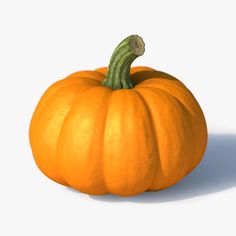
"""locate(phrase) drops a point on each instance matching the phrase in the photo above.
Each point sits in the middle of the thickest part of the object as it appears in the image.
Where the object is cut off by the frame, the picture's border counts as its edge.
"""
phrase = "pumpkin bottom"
(127, 193)
(97, 193)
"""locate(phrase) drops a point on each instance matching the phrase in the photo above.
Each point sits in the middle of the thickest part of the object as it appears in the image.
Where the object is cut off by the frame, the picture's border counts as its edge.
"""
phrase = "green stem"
(118, 74)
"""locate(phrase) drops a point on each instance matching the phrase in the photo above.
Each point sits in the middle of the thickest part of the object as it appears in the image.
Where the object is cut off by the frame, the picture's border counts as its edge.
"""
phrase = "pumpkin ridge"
(36, 116)
(59, 136)
(105, 106)
(61, 132)
(53, 94)
(196, 114)
(128, 158)
(172, 95)
(40, 106)
(188, 113)
(154, 133)
(189, 118)
(167, 167)
(40, 118)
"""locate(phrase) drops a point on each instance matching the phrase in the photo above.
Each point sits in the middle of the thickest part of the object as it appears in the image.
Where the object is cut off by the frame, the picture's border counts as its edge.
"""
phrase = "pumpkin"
(119, 129)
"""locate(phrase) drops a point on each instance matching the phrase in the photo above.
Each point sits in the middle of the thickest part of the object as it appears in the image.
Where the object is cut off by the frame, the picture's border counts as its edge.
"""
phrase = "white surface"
(43, 41)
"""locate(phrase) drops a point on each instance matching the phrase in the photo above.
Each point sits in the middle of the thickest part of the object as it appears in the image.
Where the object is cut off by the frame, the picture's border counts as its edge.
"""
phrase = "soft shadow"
(215, 173)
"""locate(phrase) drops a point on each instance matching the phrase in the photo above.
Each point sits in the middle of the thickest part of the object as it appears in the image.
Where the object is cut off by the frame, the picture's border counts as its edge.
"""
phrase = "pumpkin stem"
(118, 74)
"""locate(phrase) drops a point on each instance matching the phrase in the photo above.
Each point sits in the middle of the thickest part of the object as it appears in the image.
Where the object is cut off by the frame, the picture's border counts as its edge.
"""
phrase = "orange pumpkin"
(121, 131)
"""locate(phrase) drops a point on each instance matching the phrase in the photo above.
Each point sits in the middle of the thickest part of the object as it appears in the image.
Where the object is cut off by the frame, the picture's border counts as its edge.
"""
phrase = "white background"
(43, 41)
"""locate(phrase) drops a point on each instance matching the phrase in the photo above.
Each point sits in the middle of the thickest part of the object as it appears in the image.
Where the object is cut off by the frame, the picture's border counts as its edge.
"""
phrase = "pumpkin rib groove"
(154, 133)
(73, 103)
(102, 136)
(42, 103)
(40, 117)
(36, 117)
(142, 77)
(189, 119)
(129, 165)
(56, 86)
(105, 107)
(188, 114)
(169, 179)
(41, 106)
(169, 94)
(60, 134)
(180, 87)
(106, 128)
(194, 117)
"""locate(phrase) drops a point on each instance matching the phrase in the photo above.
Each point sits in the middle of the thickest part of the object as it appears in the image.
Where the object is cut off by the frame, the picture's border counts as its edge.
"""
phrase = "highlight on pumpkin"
(118, 129)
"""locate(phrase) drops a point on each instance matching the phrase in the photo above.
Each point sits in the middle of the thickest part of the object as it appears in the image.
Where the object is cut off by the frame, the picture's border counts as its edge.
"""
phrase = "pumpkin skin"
(126, 141)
